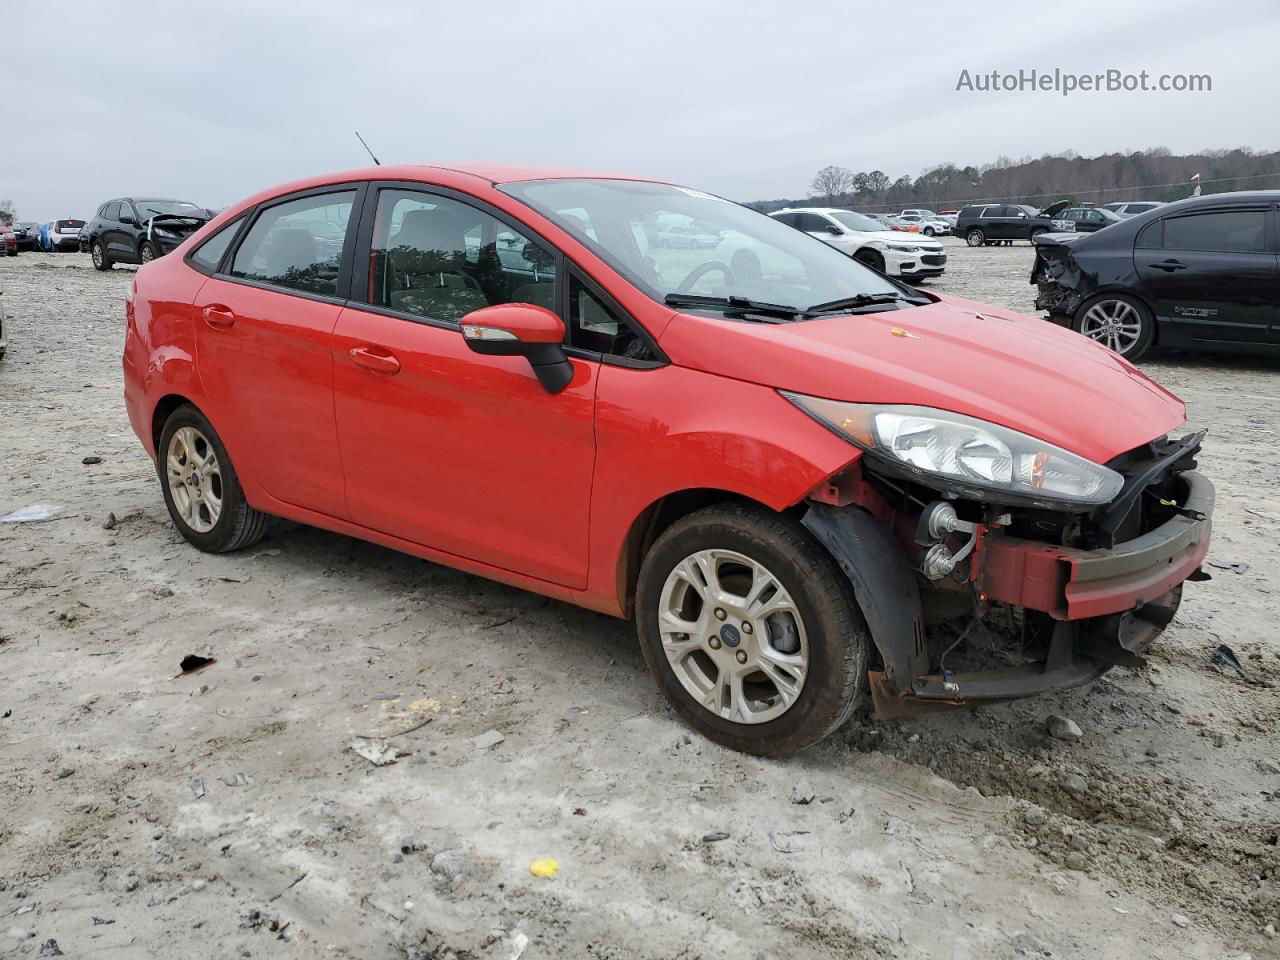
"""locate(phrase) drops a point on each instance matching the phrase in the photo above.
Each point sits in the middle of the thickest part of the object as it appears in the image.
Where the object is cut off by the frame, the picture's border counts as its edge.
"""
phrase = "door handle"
(372, 358)
(1168, 266)
(216, 315)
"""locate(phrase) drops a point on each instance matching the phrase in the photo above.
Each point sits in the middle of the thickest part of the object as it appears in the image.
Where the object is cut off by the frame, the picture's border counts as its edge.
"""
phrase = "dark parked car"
(1197, 273)
(1090, 219)
(138, 229)
(28, 235)
(992, 223)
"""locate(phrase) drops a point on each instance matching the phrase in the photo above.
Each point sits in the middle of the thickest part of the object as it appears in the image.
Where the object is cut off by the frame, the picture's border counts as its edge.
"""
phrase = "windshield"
(157, 208)
(856, 221)
(747, 256)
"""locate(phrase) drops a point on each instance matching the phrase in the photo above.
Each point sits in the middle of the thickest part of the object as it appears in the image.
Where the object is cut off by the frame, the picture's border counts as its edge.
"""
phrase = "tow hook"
(938, 520)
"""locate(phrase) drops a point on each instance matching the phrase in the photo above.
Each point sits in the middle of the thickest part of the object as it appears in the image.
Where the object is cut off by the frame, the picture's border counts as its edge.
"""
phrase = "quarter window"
(437, 258)
(297, 244)
(111, 211)
(596, 327)
(1230, 231)
(209, 254)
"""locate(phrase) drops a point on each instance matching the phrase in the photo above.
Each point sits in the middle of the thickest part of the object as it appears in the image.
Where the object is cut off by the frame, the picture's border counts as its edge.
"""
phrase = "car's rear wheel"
(147, 252)
(100, 259)
(1118, 322)
(201, 488)
(975, 237)
(750, 630)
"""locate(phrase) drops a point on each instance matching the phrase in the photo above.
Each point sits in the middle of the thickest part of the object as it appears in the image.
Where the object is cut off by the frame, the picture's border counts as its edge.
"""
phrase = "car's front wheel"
(975, 237)
(750, 629)
(201, 488)
(100, 259)
(928, 231)
(147, 252)
(1118, 322)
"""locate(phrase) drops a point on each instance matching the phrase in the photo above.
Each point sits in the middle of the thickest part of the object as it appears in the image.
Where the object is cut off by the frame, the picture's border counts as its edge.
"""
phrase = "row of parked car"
(54, 236)
(123, 230)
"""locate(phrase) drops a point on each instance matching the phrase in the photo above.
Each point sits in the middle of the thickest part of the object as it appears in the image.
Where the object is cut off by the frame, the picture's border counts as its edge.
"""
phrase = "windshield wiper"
(732, 303)
(860, 300)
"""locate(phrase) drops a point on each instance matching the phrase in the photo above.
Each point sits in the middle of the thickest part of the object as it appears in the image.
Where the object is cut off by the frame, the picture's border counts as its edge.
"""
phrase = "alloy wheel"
(1113, 323)
(147, 253)
(96, 251)
(733, 636)
(195, 479)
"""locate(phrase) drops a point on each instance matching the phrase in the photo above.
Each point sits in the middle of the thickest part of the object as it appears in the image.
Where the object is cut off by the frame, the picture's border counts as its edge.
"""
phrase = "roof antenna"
(376, 161)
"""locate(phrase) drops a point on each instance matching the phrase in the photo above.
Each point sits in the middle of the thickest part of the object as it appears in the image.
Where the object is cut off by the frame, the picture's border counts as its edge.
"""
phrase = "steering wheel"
(702, 269)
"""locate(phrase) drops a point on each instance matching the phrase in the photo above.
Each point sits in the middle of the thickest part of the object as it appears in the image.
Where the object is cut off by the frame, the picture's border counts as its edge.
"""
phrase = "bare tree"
(832, 183)
(7, 212)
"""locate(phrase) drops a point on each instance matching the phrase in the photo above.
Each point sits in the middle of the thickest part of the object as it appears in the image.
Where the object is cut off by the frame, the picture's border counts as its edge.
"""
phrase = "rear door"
(264, 331)
(444, 447)
(1211, 275)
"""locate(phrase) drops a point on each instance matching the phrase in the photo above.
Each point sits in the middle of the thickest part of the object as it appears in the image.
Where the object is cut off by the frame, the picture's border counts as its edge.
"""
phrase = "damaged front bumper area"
(1082, 609)
(1061, 287)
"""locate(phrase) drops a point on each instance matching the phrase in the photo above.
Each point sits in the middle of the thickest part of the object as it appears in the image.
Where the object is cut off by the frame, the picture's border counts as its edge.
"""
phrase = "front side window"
(209, 254)
(297, 244)
(1228, 231)
(438, 258)
(746, 255)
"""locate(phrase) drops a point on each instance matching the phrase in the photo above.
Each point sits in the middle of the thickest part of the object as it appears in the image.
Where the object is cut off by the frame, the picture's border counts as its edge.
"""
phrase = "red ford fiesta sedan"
(798, 476)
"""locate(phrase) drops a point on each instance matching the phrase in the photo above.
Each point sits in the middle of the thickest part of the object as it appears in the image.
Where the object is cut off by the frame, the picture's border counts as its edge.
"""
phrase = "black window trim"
(364, 242)
(342, 295)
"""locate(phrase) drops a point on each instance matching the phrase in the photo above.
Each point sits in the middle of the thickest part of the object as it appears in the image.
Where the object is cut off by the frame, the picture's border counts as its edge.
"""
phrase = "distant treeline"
(1154, 174)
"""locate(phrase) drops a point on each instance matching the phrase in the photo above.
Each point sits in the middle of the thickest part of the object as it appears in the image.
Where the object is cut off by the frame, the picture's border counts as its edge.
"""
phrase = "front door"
(263, 334)
(1210, 275)
(444, 447)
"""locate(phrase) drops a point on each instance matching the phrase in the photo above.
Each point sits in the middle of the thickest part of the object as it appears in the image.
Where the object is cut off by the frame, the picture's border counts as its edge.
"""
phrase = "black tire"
(238, 525)
(147, 252)
(1037, 232)
(870, 258)
(928, 231)
(836, 633)
(975, 237)
(100, 259)
(1146, 321)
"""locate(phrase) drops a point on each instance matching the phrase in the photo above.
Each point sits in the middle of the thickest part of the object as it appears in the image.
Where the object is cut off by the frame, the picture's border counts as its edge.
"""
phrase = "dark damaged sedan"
(139, 230)
(1201, 273)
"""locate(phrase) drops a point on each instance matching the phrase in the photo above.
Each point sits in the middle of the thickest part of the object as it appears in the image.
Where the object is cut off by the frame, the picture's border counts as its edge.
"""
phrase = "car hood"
(993, 364)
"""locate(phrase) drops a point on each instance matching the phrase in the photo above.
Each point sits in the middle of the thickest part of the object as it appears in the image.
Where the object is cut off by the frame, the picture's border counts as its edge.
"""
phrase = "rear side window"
(438, 258)
(209, 254)
(297, 244)
(1228, 231)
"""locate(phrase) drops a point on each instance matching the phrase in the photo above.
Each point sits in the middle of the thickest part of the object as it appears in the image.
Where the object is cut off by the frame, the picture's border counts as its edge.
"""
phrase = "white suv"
(908, 256)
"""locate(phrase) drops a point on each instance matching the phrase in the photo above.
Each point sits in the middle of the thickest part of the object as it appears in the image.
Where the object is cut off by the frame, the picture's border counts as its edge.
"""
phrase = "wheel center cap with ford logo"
(729, 634)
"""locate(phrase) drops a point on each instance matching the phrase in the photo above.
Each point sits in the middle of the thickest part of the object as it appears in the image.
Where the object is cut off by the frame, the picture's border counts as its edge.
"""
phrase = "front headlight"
(903, 248)
(977, 458)
(165, 232)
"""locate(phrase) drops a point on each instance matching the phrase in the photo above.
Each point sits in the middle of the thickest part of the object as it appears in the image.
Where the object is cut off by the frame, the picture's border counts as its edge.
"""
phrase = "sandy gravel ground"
(965, 836)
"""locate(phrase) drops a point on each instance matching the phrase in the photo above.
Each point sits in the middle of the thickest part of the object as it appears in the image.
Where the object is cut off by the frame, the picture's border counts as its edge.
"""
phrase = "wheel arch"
(163, 410)
(655, 519)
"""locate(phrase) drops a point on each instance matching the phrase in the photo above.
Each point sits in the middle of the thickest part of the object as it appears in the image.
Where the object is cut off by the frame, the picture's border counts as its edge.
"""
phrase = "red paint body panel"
(988, 363)
(268, 380)
(464, 452)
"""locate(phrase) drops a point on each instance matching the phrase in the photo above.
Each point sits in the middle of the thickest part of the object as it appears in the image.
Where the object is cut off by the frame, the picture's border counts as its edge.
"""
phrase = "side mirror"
(833, 229)
(522, 330)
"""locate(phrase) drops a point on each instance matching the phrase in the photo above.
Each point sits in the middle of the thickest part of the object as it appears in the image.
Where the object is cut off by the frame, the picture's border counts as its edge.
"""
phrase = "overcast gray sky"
(210, 101)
